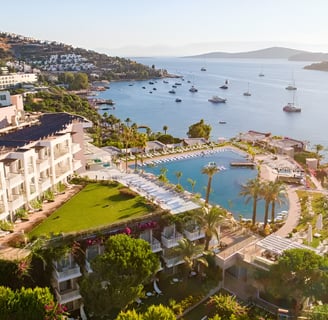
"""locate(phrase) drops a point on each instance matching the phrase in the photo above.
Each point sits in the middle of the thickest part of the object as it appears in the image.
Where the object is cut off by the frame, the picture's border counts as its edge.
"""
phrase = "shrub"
(127, 192)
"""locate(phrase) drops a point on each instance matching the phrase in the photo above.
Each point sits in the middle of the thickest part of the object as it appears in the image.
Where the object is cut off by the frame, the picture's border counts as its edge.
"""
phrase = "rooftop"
(50, 124)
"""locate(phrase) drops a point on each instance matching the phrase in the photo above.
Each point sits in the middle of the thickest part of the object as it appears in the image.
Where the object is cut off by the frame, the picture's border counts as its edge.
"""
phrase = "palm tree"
(127, 121)
(210, 170)
(266, 194)
(141, 144)
(210, 220)
(318, 148)
(165, 128)
(278, 195)
(178, 174)
(162, 177)
(251, 191)
(127, 137)
(192, 184)
(190, 253)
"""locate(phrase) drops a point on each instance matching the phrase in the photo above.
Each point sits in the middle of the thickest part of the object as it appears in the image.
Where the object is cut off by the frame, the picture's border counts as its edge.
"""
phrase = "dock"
(242, 164)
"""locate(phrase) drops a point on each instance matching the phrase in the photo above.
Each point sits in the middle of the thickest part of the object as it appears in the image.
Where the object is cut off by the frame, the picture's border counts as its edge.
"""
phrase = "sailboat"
(291, 107)
(261, 74)
(247, 93)
(291, 86)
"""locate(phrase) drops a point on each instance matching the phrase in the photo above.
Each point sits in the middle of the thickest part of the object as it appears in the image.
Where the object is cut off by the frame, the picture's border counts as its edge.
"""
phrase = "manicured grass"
(95, 206)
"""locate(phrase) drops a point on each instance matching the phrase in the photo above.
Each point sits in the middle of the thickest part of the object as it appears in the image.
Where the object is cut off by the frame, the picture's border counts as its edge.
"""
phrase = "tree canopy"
(199, 130)
(118, 275)
(303, 273)
(29, 304)
(153, 312)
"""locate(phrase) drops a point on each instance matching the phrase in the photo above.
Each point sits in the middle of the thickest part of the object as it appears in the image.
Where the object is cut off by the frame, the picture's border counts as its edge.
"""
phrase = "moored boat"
(290, 107)
(216, 99)
(193, 89)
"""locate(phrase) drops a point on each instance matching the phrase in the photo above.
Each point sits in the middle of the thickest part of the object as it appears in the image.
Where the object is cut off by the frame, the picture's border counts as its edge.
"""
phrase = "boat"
(164, 81)
(178, 84)
(247, 93)
(174, 86)
(178, 100)
(222, 122)
(224, 86)
(150, 82)
(261, 74)
(203, 69)
(172, 91)
(290, 107)
(193, 89)
(291, 87)
(216, 99)
(143, 87)
(154, 89)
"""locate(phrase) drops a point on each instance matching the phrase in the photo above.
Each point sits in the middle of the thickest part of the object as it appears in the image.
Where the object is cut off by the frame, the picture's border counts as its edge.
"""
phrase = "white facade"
(13, 79)
(25, 174)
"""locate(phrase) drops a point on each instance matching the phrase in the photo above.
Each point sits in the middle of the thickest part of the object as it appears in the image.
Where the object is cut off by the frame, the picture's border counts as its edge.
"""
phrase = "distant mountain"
(321, 66)
(268, 53)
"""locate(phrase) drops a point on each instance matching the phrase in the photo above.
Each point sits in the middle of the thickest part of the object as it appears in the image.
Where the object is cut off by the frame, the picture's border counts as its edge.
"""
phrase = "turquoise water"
(225, 185)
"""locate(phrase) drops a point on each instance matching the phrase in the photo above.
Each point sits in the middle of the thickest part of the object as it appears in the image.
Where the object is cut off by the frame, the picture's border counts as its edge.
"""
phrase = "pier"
(242, 164)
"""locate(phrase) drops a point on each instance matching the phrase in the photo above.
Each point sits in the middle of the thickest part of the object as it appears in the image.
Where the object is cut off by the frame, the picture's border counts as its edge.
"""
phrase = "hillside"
(63, 57)
(268, 53)
(320, 66)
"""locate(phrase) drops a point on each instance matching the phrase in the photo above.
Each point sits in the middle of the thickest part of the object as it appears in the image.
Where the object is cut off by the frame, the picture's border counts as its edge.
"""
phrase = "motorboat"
(174, 86)
(222, 122)
(203, 69)
(178, 100)
(216, 99)
(164, 81)
(172, 91)
(224, 86)
(193, 89)
(178, 84)
(290, 107)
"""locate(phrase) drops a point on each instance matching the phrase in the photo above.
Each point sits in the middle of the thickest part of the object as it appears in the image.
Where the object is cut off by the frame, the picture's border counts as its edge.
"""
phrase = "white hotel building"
(13, 79)
(36, 153)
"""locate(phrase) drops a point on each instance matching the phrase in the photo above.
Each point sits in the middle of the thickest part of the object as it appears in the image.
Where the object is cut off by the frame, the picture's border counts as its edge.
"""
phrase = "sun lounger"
(156, 288)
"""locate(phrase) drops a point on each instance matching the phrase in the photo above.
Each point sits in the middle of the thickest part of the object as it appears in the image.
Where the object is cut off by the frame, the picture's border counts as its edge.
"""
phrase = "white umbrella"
(309, 234)
(319, 222)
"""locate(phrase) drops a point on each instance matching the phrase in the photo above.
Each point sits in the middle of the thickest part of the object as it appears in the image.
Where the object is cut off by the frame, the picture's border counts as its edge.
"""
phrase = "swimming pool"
(226, 184)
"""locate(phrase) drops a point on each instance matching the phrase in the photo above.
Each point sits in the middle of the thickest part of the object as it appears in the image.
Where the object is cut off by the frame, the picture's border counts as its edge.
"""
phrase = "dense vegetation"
(59, 100)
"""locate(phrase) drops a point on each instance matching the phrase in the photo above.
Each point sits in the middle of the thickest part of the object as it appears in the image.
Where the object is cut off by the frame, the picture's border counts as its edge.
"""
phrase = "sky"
(171, 27)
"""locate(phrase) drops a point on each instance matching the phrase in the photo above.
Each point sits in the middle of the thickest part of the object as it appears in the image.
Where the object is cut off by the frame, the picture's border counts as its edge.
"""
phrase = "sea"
(262, 111)
(151, 104)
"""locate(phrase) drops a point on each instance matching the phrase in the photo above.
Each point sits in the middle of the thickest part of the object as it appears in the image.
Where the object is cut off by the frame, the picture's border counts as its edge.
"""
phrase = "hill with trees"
(52, 56)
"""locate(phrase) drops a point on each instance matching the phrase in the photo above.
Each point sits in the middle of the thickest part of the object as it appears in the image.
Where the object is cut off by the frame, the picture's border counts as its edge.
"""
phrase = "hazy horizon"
(171, 28)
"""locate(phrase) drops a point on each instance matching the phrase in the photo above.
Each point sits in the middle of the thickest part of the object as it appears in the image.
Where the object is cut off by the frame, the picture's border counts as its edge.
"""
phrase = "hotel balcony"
(67, 295)
(194, 234)
(43, 164)
(16, 201)
(77, 164)
(44, 184)
(259, 261)
(61, 152)
(14, 179)
(172, 261)
(172, 240)
(75, 148)
(67, 273)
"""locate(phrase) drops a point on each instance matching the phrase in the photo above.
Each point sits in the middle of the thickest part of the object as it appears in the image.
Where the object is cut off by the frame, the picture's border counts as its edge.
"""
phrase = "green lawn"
(95, 206)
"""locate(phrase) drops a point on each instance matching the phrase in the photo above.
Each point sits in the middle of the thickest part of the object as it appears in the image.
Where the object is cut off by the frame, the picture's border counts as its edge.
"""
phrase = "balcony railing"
(67, 273)
(43, 164)
(171, 241)
(194, 235)
(77, 164)
(68, 295)
(173, 261)
(75, 148)
(14, 178)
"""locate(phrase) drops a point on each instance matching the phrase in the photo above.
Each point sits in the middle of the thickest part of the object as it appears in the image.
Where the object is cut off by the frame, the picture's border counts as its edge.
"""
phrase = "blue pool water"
(226, 184)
